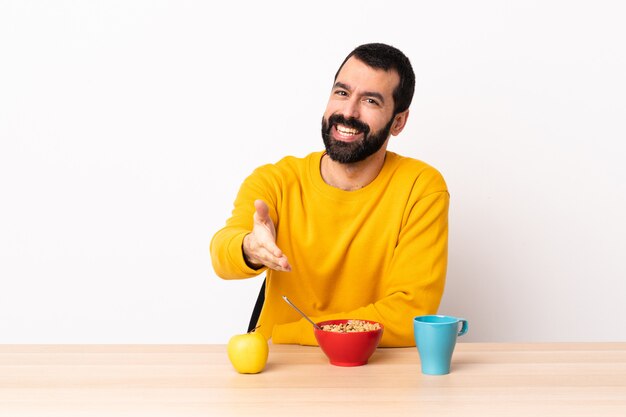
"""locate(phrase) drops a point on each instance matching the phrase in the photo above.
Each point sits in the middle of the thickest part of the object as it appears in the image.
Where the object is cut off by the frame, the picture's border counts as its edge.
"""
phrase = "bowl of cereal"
(348, 342)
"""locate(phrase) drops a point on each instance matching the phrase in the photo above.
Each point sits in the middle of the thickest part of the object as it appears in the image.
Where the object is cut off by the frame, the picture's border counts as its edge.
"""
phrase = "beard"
(351, 152)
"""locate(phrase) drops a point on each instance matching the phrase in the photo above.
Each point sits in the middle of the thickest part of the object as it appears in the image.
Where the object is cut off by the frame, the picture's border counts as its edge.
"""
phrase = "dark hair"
(386, 57)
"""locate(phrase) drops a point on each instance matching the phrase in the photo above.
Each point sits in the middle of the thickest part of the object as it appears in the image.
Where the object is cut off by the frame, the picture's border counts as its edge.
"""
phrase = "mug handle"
(464, 327)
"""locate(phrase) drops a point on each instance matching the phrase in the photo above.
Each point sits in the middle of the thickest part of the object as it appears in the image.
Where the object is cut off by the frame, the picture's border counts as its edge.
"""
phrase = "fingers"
(260, 250)
(260, 245)
(284, 264)
(262, 256)
(272, 262)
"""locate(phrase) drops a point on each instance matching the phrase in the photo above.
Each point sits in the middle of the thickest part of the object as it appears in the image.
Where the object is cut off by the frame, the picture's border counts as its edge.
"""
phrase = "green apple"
(248, 352)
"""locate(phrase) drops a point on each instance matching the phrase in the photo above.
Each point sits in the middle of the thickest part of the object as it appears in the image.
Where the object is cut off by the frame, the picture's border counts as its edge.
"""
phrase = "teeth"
(347, 130)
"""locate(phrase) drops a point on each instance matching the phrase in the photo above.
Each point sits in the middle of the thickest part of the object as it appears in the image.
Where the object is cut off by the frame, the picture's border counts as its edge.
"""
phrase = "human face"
(359, 116)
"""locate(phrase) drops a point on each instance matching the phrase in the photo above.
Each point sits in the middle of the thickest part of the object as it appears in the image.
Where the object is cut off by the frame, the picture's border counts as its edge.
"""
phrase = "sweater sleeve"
(413, 285)
(226, 245)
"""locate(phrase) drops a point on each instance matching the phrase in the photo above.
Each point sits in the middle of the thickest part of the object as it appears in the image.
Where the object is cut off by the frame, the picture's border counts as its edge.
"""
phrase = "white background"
(126, 128)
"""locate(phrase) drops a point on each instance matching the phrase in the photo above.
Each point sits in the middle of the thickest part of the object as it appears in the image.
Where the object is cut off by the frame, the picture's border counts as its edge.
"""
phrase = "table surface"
(561, 379)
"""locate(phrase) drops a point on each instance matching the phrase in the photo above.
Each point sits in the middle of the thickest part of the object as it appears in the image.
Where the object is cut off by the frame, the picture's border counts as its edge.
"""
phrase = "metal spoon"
(300, 311)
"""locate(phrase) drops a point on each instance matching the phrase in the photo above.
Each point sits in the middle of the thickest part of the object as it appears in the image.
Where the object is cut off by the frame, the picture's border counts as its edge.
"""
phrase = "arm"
(414, 283)
(246, 245)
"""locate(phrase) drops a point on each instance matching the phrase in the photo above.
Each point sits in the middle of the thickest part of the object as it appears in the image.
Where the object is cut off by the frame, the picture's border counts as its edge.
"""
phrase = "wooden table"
(586, 379)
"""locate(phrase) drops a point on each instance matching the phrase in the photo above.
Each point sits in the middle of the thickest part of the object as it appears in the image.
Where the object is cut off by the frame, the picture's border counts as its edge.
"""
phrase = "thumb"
(262, 211)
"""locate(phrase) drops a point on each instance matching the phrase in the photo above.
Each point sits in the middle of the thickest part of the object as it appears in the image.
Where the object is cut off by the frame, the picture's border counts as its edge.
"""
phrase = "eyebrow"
(365, 93)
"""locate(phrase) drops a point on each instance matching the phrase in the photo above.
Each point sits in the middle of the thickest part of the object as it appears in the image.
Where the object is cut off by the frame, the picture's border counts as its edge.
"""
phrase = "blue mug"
(435, 338)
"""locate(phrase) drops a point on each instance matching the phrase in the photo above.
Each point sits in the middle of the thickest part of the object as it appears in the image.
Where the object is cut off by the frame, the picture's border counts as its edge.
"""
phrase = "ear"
(399, 121)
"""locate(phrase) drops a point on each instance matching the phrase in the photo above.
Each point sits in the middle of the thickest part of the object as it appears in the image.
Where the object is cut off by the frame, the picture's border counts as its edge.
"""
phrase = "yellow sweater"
(378, 253)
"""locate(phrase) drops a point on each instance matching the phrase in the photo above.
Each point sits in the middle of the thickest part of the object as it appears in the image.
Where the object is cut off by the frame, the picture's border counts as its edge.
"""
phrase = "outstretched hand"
(259, 246)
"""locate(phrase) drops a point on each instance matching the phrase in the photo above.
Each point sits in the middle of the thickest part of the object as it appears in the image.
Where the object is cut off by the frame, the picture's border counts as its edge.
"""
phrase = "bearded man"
(354, 231)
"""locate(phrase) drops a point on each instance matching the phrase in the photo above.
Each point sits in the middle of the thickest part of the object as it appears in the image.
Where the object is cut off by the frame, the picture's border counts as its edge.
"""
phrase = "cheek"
(334, 106)
(372, 120)
(380, 121)
(330, 110)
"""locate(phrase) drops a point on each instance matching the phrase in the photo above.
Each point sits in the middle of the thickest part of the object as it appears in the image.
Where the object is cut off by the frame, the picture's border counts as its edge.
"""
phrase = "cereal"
(351, 326)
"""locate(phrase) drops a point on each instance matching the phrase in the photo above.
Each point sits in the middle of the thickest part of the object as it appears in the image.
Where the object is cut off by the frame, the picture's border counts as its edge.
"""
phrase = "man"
(353, 232)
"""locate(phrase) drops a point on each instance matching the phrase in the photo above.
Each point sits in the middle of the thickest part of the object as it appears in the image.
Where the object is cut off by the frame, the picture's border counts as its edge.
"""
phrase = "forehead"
(360, 76)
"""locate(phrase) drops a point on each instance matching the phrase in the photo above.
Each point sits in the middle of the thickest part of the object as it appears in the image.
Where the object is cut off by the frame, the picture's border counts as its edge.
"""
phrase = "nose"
(351, 108)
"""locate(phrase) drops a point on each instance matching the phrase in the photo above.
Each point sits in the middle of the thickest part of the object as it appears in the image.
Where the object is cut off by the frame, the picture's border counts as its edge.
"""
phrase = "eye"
(341, 93)
(372, 101)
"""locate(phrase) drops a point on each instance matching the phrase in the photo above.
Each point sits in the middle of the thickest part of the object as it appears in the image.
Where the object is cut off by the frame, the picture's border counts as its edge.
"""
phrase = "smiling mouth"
(347, 131)
(347, 134)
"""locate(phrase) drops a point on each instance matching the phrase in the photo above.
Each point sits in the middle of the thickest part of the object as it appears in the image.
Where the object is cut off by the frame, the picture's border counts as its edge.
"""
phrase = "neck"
(354, 176)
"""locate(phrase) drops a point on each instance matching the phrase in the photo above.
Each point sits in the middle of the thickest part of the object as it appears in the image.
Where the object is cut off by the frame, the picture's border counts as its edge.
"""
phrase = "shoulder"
(285, 169)
(289, 163)
(297, 163)
(423, 177)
